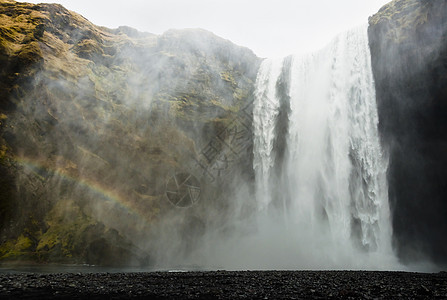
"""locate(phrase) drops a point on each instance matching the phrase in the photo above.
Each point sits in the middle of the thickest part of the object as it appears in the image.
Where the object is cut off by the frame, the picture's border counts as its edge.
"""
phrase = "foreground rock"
(226, 285)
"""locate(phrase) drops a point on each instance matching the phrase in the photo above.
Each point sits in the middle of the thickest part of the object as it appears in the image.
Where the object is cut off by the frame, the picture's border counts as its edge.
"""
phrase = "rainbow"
(92, 186)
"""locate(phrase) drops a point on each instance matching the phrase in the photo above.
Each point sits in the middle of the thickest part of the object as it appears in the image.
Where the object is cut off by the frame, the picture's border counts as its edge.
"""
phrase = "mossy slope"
(94, 121)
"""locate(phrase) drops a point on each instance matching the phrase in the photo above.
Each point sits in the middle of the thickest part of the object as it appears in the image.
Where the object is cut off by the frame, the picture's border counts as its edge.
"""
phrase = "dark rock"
(220, 285)
(39, 31)
(409, 54)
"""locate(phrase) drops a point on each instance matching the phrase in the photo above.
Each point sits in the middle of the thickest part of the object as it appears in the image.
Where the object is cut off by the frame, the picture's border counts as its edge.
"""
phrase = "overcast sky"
(271, 28)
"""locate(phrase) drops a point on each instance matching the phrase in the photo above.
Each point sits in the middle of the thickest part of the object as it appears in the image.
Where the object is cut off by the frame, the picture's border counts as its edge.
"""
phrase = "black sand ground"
(225, 285)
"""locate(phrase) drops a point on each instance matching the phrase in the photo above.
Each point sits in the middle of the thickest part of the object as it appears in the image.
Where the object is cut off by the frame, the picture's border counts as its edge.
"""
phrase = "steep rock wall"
(93, 124)
(408, 41)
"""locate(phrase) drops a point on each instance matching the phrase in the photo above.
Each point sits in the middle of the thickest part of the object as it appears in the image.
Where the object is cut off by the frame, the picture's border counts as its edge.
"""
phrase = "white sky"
(271, 28)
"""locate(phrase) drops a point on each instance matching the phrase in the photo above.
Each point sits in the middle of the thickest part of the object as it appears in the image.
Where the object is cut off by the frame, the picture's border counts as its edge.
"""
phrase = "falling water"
(265, 112)
(333, 180)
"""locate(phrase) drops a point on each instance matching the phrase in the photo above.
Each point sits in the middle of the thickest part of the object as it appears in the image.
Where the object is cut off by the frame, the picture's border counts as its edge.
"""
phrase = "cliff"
(113, 140)
(96, 124)
(408, 41)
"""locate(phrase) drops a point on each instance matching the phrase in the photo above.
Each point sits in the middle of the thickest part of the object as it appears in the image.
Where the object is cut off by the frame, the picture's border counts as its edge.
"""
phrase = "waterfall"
(265, 112)
(334, 170)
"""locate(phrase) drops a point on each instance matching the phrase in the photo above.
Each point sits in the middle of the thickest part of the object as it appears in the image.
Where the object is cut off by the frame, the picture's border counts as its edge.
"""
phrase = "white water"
(337, 215)
(265, 111)
(325, 206)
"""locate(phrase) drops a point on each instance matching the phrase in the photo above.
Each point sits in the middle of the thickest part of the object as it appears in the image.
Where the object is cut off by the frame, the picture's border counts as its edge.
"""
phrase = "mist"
(179, 150)
(319, 199)
(407, 75)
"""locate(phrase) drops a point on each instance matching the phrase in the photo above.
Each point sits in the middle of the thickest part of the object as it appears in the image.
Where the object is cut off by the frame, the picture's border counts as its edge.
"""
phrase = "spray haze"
(324, 204)
(181, 150)
(101, 123)
(409, 80)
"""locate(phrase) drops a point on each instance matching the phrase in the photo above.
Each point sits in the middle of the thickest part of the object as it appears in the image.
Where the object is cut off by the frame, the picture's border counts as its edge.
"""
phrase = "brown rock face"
(93, 124)
(408, 41)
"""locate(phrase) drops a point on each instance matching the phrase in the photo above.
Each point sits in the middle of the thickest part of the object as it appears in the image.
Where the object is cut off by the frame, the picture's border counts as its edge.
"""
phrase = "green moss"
(23, 243)
(240, 94)
(402, 18)
(228, 77)
(6, 35)
(6, 247)
(15, 248)
(66, 224)
(30, 53)
(2, 152)
(88, 49)
(89, 119)
(226, 108)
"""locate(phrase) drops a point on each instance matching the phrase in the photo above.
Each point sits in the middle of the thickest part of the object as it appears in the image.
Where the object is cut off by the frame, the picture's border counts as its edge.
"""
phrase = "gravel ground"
(225, 285)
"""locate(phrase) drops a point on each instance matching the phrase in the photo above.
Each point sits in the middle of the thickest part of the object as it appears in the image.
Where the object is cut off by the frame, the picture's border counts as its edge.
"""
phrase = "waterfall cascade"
(265, 113)
(321, 197)
(331, 185)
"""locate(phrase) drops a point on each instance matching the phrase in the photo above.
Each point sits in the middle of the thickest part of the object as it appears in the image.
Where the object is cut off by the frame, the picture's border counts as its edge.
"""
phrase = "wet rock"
(409, 54)
(224, 285)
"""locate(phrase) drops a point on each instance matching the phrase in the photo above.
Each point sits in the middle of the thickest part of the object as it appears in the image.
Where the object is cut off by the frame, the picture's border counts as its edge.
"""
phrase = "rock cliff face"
(408, 41)
(95, 124)
(113, 140)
